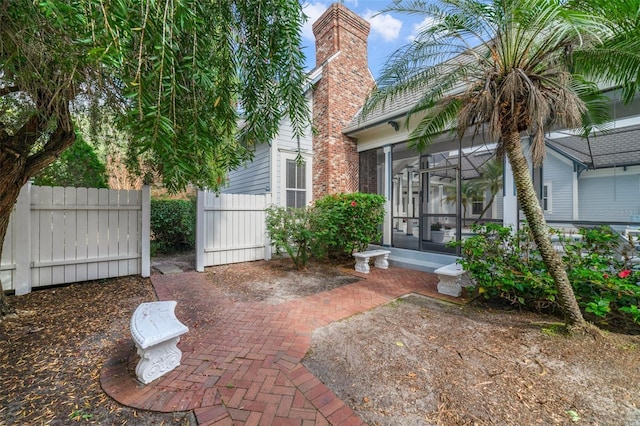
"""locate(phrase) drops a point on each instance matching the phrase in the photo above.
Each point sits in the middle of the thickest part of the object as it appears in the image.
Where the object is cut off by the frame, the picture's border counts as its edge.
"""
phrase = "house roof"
(615, 147)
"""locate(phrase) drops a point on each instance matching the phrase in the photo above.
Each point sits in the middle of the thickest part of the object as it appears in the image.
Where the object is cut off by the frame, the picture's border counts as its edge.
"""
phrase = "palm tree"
(490, 180)
(506, 68)
(469, 191)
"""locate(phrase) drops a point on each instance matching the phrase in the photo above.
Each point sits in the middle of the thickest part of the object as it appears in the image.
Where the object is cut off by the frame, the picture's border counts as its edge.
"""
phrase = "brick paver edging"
(241, 362)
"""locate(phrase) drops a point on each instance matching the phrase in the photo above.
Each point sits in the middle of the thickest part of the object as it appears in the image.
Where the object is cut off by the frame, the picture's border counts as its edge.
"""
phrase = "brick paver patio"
(241, 362)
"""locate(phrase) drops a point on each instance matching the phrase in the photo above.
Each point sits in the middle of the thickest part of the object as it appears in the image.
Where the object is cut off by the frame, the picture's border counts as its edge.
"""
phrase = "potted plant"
(440, 232)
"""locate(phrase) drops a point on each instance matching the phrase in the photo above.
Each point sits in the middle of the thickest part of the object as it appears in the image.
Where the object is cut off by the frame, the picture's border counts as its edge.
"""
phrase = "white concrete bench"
(156, 332)
(380, 260)
(449, 279)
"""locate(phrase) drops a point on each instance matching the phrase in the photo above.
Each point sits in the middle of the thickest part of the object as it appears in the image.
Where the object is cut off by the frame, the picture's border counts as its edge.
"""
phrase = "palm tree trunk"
(531, 207)
(493, 196)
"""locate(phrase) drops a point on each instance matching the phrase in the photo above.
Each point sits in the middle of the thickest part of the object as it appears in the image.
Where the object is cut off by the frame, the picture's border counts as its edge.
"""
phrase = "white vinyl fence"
(63, 235)
(231, 228)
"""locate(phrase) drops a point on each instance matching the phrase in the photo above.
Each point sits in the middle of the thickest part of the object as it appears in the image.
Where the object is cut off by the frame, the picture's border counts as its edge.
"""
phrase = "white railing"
(230, 228)
(63, 235)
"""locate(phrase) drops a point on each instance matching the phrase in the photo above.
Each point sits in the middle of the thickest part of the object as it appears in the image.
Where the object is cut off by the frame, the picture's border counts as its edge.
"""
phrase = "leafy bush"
(77, 166)
(344, 223)
(603, 277)
(290, 229)
(173, 225)
(506, 265)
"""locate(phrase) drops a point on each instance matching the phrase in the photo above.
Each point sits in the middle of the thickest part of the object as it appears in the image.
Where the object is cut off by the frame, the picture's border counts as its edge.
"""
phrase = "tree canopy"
(177, 76)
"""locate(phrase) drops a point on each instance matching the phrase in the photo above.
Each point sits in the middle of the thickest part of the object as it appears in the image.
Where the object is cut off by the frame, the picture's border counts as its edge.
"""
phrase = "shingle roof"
(616, 147)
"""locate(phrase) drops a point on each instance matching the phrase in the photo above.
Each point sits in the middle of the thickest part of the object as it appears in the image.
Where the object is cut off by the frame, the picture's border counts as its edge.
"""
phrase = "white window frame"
(479, 201)
(292, 155)
(549, 197)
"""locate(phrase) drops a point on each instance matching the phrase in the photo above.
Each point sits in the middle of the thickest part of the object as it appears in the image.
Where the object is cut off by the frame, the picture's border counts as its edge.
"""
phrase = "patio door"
(439, 201)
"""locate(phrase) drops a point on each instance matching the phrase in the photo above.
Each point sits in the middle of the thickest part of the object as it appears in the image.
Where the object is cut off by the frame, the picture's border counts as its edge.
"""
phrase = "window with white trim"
(477, 205)
(296, 183)
(545, 200)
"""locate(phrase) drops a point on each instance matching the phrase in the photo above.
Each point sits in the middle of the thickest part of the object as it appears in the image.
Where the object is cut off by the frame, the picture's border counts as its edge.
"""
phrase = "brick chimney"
(340, 93)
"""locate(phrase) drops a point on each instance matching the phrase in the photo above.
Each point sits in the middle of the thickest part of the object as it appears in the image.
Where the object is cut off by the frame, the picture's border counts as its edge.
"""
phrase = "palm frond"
(439, 119)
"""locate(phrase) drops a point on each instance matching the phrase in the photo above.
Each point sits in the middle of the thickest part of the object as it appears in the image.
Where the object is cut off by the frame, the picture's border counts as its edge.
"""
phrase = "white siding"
(560, 173)
(613, 198)
(254, 177)
(258, 177)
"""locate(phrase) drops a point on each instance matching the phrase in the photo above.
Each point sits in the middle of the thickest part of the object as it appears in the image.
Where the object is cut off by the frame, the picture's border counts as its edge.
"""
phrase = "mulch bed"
(52, 350)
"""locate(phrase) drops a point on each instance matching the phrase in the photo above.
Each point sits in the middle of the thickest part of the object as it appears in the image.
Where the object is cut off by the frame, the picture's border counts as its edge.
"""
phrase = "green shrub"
(606, 284)
(506, 265)
(173, 224)
(344, 223)
(77, 166)
(290, 229)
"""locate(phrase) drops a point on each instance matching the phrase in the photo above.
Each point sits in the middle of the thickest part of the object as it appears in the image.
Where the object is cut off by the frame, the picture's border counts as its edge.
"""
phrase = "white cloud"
(385, 25)
(313, 11)
(426, 23)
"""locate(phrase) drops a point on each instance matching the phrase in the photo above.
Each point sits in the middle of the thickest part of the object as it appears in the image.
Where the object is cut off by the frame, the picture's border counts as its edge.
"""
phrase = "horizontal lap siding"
(252, 178)
(609, 199)
(561, 176)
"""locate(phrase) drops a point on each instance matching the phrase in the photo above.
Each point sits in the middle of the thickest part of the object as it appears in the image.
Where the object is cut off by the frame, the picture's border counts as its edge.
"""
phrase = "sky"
(388, 32)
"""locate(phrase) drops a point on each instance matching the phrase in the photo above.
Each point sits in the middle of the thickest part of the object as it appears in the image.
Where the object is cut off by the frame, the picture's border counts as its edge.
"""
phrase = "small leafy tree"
(345, 223)
(79, 166)
(290, 229)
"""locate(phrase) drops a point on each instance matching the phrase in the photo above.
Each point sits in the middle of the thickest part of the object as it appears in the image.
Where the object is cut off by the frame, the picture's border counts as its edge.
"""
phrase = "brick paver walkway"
(241, 362)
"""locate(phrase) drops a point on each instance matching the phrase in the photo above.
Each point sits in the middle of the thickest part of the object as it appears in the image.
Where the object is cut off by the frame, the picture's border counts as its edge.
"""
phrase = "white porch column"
(387, 182)
(510, 204)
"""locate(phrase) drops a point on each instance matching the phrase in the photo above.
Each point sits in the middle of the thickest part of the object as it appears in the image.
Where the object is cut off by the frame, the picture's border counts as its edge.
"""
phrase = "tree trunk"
(5, 214)
(531, 207)
(18, 164)
(493, 196)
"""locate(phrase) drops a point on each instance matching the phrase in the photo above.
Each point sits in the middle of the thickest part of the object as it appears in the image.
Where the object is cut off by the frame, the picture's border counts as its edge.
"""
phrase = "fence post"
(145, 235)
(22, 253)
(267, 240)
(200, 231)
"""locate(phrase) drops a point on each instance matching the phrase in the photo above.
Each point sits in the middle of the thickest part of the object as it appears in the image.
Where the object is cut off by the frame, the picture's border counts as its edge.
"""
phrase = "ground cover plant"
(507, 266)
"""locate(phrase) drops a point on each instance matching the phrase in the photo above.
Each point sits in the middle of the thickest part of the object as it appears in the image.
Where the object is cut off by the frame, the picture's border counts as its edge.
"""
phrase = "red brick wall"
(345, 83)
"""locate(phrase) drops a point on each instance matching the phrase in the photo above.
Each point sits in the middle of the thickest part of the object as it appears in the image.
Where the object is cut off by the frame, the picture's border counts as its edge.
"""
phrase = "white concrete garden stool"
(450, 279)
(156, 332)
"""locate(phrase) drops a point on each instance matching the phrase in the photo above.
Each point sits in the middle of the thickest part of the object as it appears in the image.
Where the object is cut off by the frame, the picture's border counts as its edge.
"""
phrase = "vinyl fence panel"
(63, 235)
(231, 228)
